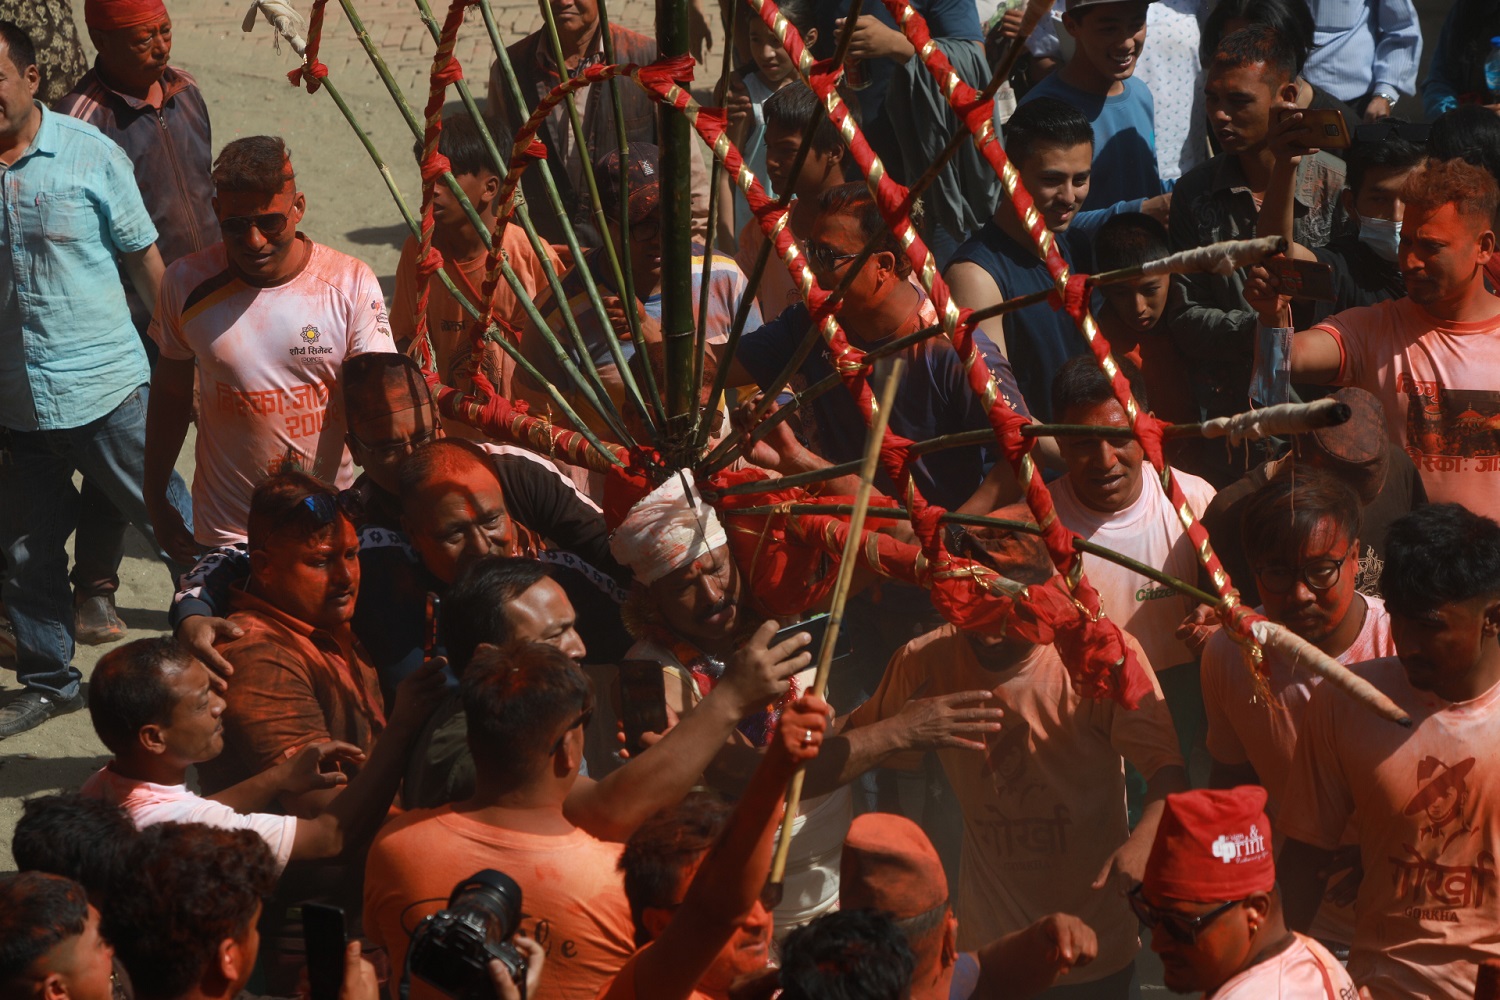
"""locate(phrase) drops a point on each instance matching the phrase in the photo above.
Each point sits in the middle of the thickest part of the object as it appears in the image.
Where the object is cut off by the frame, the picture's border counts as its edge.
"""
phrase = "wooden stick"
(840, 596)
(1300, 651)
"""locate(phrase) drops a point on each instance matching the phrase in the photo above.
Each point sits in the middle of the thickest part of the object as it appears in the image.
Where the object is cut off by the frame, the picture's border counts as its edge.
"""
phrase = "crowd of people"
(526, 732)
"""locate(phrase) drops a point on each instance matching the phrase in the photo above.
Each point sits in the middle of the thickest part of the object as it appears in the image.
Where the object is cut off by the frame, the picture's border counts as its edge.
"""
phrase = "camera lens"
(494, 895)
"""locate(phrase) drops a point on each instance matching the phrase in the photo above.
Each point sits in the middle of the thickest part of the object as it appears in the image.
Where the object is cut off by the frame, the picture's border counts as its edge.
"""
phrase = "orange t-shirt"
(448, 322)
(1425, 803)
(1439, 383)
(1044, 808)
(572, 895)
(623, 986)
(1304, 971)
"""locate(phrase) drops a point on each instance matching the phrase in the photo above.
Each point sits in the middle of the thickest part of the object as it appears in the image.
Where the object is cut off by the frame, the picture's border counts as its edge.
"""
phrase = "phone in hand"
(643, 701)
(1302, 279)
(324, 938)
(1327, 125)
(817, 627)
(434, 608)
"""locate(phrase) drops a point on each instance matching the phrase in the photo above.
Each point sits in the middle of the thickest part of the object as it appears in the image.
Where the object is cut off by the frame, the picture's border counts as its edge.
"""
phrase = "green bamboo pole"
(604, 408)
(554, 201)
(523, 217)
(416, 229)
(622, 282)
(742, 314)
(677, 327)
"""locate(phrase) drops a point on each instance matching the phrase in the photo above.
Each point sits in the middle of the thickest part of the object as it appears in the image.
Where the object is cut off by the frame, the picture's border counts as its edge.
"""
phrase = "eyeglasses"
(1319, 575)
(1413, 132)
(824, 257)
(270, 224)
(393, 450)
(1182, 929)
(582, 720)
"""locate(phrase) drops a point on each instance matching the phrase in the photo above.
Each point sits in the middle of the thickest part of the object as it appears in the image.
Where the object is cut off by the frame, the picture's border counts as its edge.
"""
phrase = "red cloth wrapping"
(1213, 845)
(112, 15)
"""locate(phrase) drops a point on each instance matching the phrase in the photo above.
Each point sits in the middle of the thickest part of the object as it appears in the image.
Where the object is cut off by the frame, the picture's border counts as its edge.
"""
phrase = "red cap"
(889, 864)
(110, 15)
(1212, 845)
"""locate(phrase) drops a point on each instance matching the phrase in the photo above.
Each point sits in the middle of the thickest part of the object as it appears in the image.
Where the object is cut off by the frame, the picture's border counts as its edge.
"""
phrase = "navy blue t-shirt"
(1038, 339)
(934, 399)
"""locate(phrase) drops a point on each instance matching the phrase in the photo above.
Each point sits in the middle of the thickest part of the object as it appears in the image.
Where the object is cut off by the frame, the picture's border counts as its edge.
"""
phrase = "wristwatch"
(1391, 97)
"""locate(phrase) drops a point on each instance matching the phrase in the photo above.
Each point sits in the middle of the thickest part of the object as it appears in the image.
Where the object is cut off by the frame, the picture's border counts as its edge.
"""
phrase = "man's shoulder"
(336, 268)
(87, 100)
(633, 41)
(1200, 179)
(190, 271)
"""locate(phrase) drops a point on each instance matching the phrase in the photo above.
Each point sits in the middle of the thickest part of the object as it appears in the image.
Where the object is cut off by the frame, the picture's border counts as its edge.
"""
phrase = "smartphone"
(1302, 279)
(434, 608)
(643, 701)
(1327, 124)
(817, 627)
(324, 938)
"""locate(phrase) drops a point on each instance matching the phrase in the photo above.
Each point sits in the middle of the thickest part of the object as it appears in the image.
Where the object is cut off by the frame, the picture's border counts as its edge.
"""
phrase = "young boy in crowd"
(1130, 312)
(788, 113)
(1099, 81)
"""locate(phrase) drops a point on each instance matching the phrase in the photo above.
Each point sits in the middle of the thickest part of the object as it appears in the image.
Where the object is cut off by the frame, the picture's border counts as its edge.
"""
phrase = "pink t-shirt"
(1304, 971)
(1149, 531)
(1044, 807)
(1425, 803)
(268, 364)
(149, 804)
(1440, 385)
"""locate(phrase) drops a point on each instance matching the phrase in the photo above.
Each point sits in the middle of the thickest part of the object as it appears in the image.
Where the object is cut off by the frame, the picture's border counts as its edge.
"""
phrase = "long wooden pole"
(677, 327)
(840, 595)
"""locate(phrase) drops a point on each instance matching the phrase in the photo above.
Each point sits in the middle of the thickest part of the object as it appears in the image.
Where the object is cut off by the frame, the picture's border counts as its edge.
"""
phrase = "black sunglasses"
(270, 224)
(325, 507)
(1182, 929)
(824, 257)
(1413, 132)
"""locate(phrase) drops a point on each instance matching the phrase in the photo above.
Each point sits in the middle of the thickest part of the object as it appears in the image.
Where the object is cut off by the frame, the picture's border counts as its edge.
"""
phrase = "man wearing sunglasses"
(264, 319)
(1210, 898)
(1302, 533)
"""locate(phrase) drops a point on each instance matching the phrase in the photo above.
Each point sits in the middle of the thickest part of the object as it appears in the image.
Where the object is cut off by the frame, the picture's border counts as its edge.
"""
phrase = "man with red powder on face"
(1432, 358)
(1209, 896)
(265, 319)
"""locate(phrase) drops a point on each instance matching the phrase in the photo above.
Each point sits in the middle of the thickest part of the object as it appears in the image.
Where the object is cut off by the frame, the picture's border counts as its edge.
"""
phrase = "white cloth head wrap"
(667, 530)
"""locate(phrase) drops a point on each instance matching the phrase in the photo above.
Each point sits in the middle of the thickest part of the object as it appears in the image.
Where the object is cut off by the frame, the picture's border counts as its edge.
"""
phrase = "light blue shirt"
(68, 350)
(1364, 45)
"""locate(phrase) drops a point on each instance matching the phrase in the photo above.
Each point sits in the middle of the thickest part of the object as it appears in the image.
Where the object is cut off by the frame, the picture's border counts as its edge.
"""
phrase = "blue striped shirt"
(1364, 45)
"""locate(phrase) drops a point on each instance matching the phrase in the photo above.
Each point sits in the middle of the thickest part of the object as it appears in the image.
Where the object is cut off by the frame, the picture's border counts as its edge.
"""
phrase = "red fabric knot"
(1009, 431)
(536, 149)
(1075, 299)
(434, 166)
(431, 263)
(1149, 431)
(311, 73)
(677, 69)
(450, 72)
(824, 76)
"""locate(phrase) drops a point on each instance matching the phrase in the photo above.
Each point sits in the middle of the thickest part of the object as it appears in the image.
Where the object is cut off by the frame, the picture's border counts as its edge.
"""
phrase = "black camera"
(452, 949)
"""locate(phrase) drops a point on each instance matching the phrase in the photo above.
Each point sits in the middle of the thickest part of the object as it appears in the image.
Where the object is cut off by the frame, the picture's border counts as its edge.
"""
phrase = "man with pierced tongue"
(1210, 898)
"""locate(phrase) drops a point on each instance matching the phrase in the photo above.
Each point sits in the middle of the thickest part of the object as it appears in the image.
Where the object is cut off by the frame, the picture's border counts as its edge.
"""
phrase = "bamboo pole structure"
(869, 465)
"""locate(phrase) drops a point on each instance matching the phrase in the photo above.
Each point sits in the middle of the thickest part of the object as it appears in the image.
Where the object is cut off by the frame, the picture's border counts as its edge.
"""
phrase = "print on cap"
(1240, 848)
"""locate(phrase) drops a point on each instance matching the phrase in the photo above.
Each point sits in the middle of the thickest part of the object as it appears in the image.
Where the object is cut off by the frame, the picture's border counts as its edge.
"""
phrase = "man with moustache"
(1430, 358)
(1420, 800)
(1302, 532)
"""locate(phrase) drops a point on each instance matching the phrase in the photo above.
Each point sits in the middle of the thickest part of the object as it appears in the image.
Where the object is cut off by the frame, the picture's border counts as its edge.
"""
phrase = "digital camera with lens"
(451, 949)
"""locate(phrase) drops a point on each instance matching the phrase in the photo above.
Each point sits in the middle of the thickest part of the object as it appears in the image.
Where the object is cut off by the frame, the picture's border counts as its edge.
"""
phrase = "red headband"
(111, 15)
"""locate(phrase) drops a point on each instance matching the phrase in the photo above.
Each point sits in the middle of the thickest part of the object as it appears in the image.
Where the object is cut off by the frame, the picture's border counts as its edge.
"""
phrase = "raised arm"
(729, 881)
(1290, 140)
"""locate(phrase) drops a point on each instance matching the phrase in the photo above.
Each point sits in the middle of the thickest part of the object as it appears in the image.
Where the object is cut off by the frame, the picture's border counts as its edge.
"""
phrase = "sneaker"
(32, 708)
(95, 621)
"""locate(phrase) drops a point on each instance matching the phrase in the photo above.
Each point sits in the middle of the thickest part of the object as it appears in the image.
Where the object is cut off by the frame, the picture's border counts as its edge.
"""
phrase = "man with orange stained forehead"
(1045, 827)
(1211, 901)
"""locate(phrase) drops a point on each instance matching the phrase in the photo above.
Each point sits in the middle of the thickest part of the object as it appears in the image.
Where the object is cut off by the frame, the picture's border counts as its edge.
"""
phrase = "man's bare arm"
(168, 413)
(1300, 872)
(145, 269)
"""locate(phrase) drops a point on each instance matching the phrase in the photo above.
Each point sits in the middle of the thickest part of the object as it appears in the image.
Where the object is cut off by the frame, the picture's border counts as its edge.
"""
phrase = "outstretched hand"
(946, 722)
(1263, 294)
(1065, 942)
(304, 772)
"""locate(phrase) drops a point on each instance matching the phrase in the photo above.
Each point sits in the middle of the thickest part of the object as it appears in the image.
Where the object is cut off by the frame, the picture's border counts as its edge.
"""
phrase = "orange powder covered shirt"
(1425, 804)
(293, 684)
(1044, 807)
(572, 895)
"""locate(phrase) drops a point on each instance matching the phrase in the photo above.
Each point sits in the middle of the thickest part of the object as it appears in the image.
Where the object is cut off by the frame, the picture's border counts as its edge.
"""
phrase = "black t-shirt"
(1361, 277)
